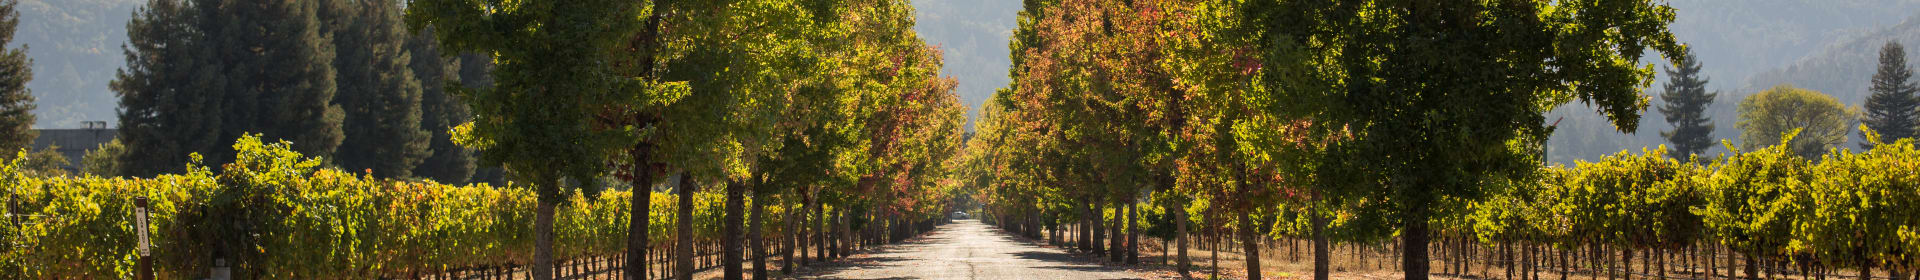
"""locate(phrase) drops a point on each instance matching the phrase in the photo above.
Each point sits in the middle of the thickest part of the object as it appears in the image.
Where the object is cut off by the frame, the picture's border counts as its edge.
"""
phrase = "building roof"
(74, 143)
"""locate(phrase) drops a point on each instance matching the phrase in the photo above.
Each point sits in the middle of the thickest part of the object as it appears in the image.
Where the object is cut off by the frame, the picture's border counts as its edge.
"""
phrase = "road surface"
(966, 249)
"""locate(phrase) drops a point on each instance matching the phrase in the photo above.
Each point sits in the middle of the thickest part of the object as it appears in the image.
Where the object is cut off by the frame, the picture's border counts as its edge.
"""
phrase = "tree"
(1439, 96)
(1766, 117)
(377, 90)
(549, 80)
(1685, 106)
(48, 162)
(16, 101)
(171, 90)
(1892, 109)
(705, 101)
(279, 69)
(205, 72)
(440, 109)
(104, 161)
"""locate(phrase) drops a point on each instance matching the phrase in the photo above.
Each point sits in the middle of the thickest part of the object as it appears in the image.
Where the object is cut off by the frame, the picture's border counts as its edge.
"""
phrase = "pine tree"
(1686, 101)
(1890, 109)
(377, 90)
(201, 73)
(440, 110)
(278, 59)
(16, 101)
(171, 90)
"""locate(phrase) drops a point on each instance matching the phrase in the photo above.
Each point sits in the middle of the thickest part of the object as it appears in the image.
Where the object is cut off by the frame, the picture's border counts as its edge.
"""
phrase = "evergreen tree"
(16, 101)
(201, 73)
(377, 90)
(1686, 101)
(1891, 109)
(440, 110)
(171, 97)
(278, 61)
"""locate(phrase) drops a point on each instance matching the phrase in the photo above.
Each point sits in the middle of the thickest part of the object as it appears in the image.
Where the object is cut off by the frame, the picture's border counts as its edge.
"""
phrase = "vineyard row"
(276, 215)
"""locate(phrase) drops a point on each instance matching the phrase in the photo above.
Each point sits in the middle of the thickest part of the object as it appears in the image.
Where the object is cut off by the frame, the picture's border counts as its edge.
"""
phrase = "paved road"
(966, 249)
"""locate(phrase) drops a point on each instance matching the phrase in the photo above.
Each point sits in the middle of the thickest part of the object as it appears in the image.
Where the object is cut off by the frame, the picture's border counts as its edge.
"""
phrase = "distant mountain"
(974, 36)
(1737, 39)
(1748, 46)
(1843, 69)
(75, 46)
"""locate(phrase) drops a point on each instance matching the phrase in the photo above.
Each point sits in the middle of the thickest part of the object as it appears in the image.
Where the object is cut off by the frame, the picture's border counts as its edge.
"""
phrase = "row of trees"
(816, 102)
(834, 106)
(1396, 110)
(1364, 121)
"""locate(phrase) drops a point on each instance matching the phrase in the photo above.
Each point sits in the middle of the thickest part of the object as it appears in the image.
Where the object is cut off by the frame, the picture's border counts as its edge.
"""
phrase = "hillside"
(1739, 42)
(75, 47)
(973, 34)
(1842, 70)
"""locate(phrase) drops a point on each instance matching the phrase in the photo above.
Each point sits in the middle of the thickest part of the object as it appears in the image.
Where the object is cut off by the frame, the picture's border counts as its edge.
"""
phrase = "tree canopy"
(1820, 121)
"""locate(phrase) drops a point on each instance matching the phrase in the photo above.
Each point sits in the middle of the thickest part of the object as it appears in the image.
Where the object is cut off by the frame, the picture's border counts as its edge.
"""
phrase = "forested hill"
(973, 34)
(75, 47)
(1738, 39)
(1843, 69)
(1745, 47)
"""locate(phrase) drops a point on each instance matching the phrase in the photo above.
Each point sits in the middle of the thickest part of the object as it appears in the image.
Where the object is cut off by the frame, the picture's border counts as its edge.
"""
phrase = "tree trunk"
(1322, 259)
(1085, 231)
(730, 233)
(1753, 267)
(683, 230)
(1250, 239)
(1866, 266)
(819, 227)
(846, 233)
(1415, 236)
(1116, 243)
(1133, 235)
(1213, 250)
(755, 237)
(639, 215)
(543, 237)
(793, 237)
(1179, 211)
(1626, 262)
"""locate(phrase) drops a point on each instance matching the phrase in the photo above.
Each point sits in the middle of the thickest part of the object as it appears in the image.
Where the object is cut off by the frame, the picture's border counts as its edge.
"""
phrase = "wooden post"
(145, 266)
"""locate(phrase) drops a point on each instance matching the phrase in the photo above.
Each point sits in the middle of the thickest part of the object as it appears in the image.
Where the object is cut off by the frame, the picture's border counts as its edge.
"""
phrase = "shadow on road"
(1048, 256)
